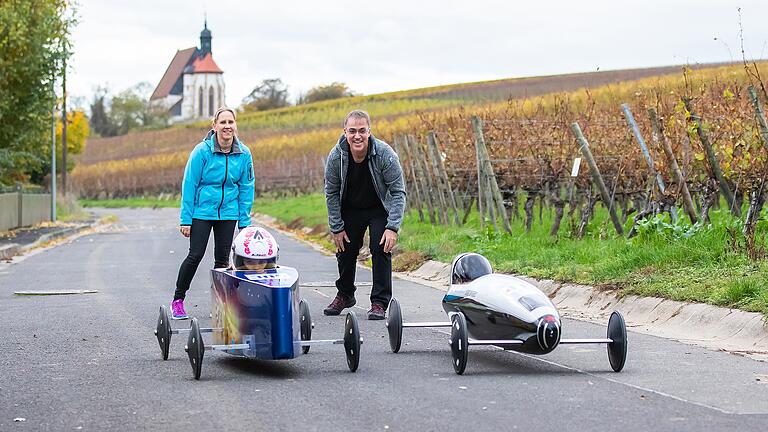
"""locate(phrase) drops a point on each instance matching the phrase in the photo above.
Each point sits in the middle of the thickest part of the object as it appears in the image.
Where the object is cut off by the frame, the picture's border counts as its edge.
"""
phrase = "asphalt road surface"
(91, 362)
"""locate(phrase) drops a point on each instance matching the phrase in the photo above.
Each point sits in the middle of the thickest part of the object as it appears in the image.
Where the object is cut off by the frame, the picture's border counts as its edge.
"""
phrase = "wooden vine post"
(713, 163)
(422, 179)
(760, 114)
(481, 204)
(487, 179)
(596, 177)
(660, 136)
(647, 155)
(437, 181)
(443, 175)
(757, 199)
(401, 147)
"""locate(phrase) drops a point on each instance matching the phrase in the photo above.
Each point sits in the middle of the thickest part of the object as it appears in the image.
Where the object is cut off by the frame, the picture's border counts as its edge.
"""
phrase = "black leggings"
(223, 231)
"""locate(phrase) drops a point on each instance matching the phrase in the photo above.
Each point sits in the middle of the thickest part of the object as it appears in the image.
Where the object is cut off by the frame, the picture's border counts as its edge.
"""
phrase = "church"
(192, 87)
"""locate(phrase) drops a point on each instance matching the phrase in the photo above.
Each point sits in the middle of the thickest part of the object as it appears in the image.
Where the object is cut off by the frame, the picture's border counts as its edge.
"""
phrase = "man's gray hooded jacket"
(386, 173)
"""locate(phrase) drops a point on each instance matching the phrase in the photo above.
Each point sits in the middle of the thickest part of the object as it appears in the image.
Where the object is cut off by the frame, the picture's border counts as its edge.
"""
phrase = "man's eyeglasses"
(361, 131)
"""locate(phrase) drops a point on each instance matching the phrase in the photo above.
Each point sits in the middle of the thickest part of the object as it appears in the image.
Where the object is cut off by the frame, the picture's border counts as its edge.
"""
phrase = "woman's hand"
(184, 229)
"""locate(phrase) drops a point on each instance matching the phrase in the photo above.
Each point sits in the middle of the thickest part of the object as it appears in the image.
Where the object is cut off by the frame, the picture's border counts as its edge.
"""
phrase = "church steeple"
(205, 39)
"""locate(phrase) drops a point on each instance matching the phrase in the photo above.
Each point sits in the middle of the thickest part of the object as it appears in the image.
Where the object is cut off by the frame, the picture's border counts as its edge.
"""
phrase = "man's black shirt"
(360, 193)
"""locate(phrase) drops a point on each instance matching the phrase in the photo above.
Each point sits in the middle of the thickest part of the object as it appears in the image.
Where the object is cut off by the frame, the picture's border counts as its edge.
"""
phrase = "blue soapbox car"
(257, 315)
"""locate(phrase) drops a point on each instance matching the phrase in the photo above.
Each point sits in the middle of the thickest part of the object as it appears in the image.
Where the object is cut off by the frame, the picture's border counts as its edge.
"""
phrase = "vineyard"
(704, 138)
(676, 144)
(289, 145)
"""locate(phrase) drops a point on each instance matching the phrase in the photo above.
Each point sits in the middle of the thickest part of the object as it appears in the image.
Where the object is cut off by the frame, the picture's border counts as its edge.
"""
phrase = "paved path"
(90, 362)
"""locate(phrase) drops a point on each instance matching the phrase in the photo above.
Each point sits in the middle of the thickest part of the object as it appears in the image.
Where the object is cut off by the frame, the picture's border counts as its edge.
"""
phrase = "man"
(364, 189)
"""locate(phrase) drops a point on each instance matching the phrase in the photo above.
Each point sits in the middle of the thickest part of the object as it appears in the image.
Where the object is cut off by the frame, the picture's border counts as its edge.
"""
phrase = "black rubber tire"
(352, 341)
(394, 325)
(305, 323)
(617, 350)
(163, 332)
(459, 342)
(195, 349)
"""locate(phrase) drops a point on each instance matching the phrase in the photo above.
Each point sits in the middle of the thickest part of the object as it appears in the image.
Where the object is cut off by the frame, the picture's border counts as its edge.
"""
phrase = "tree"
(34, 42)
(270, 94)
(100, 121)
(77, 135)
(128, 110)
(334, 90)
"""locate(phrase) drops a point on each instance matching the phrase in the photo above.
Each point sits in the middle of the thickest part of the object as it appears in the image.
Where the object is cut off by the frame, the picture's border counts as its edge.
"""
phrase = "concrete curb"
(9, 251)
(713, 327)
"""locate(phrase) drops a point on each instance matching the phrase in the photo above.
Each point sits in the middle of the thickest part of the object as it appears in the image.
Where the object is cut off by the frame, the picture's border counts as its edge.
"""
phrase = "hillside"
(290, 143)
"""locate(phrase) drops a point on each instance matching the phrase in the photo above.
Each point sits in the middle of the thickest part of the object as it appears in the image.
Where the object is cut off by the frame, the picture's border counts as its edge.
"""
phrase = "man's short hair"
(358, 114)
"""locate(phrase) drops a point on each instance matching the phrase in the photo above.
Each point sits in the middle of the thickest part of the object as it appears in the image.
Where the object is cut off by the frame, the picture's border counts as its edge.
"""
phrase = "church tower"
(192, 87)
(205, 39)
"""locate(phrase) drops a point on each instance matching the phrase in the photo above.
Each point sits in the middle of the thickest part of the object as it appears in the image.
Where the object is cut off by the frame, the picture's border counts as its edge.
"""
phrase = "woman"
(216, 193)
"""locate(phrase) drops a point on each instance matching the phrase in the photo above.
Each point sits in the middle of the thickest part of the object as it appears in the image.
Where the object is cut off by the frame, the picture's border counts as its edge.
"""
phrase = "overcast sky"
(379, 46)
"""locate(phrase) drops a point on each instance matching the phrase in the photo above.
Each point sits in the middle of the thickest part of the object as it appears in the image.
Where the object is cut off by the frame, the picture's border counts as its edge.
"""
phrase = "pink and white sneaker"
(177, 310)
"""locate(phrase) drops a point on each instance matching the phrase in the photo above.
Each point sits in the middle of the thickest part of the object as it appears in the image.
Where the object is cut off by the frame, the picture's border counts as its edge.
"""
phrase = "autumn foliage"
(529, 139)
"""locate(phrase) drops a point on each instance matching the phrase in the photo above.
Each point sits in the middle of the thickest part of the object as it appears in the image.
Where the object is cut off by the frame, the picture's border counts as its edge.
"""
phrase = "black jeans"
(355, 224)
(223, 231)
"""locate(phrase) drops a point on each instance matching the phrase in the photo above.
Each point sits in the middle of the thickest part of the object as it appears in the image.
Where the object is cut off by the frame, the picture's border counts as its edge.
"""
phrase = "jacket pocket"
(208, 201)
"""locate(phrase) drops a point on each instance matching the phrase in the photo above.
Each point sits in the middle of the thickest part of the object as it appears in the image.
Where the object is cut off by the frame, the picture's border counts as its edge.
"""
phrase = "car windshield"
(470, 267)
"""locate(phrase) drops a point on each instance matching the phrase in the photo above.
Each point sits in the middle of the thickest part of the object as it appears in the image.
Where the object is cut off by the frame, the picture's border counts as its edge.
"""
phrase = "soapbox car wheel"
(195, 349)
(305, 324)
(617, 350)
(352, 341)
(394, 325)
(459, 342)
(163, 331)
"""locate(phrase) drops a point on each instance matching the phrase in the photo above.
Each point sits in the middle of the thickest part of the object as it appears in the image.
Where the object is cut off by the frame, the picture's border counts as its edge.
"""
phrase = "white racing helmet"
(254, 248)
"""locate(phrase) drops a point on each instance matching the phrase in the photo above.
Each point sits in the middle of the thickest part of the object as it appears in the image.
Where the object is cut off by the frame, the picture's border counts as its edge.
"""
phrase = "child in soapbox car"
(257, 311)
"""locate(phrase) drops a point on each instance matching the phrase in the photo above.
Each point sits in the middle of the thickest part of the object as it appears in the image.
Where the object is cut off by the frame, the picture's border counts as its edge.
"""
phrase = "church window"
(211, 108)
(201, 104)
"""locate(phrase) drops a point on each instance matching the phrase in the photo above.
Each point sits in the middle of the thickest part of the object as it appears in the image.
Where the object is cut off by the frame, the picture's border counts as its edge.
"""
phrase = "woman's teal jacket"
(217, 185)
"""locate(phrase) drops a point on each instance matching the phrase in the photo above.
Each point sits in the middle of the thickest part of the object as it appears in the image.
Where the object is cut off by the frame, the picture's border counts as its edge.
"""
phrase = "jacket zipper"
(223, 183)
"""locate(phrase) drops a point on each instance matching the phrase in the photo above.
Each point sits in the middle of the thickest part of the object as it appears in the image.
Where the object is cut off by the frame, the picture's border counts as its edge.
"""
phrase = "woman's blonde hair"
(221, 110)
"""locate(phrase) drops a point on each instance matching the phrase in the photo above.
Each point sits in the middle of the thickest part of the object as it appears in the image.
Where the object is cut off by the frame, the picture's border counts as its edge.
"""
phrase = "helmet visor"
(242, 263)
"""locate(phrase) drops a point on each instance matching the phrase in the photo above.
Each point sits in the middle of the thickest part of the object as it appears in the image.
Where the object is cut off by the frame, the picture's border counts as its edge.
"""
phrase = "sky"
(381, 46)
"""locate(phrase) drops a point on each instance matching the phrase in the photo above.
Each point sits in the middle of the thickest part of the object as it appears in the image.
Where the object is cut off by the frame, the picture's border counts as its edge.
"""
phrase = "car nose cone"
(548, 333)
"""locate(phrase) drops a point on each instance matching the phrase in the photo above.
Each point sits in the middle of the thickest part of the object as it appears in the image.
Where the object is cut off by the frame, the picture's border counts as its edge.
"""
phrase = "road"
(91, 362)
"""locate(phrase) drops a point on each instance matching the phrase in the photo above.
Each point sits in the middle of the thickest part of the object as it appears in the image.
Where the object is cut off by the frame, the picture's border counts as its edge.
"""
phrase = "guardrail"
(23, 208)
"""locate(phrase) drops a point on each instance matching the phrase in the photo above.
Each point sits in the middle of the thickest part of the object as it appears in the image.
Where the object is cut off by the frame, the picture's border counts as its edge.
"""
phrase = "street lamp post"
(53, 152)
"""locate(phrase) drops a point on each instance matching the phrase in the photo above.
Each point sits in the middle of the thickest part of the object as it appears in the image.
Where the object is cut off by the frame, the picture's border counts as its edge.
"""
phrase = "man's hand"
(389, 240)
(184, 229)
(338, 239)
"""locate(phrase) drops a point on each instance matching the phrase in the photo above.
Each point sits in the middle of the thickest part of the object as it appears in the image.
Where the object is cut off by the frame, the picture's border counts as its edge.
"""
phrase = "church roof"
(173, 73)
(204, 65)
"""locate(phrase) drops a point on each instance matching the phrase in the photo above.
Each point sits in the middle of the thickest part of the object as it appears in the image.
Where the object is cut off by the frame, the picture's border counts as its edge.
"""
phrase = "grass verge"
(675, 261)
(69, 209)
